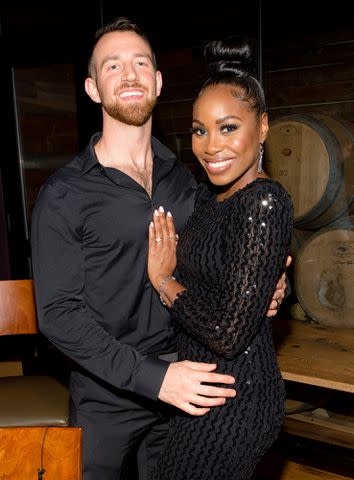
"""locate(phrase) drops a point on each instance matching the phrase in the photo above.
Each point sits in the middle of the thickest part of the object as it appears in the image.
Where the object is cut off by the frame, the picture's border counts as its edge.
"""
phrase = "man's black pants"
(119, 429)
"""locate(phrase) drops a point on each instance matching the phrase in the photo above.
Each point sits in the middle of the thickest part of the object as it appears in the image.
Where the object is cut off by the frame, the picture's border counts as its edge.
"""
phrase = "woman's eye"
(228, 128)
(113, 67)
(198, 131)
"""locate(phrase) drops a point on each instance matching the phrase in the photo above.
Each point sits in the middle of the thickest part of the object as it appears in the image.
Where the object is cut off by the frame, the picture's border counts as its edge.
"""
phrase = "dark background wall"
(305, 60)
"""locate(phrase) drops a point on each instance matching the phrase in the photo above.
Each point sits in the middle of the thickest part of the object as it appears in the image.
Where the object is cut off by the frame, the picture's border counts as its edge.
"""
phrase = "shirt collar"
(88, 156)
(90, 160)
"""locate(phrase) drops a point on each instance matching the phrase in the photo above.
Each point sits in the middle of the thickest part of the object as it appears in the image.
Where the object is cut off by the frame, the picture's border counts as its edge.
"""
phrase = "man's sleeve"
(58, 273)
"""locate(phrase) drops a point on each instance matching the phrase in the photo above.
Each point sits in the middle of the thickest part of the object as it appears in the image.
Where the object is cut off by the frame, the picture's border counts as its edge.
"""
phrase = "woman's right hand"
(162, 260)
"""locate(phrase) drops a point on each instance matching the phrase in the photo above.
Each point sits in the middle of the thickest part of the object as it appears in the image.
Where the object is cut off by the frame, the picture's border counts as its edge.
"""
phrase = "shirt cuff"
(150, 376)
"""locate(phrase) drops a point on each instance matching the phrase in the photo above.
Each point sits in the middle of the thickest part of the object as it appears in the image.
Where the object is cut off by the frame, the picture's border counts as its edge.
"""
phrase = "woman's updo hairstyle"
(230, 62)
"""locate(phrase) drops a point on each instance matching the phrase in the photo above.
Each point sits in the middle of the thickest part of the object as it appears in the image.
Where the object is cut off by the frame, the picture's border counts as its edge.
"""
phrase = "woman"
(229, 256)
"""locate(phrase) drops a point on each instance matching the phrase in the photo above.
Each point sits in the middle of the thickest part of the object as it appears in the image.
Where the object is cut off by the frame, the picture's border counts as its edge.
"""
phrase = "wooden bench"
(34, 410)
(323, 426)
(315, 355)
(318, 357)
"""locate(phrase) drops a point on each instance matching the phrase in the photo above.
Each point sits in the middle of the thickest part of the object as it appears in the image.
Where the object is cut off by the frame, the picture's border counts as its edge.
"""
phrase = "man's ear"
(158, 77)
(91, 90)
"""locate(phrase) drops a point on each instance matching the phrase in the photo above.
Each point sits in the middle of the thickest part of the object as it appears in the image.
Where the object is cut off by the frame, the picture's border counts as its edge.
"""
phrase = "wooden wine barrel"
(324, 274)
(313, 157)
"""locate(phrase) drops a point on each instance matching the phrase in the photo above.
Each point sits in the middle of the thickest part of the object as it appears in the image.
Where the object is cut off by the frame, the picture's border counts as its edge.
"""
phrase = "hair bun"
(233, 54)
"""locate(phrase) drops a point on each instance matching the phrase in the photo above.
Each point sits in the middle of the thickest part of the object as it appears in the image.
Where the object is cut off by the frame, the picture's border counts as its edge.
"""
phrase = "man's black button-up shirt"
(89, 251)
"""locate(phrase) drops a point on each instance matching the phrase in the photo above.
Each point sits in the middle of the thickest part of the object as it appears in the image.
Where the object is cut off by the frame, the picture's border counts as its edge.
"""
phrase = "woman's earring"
(260, 158)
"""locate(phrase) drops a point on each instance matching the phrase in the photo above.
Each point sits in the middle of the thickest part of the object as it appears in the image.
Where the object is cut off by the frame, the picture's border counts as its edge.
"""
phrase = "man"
(89, 242)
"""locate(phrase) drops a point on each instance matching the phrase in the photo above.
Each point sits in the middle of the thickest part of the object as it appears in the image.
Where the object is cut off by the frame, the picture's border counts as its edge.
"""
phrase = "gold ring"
(173, 237)
(158, 239)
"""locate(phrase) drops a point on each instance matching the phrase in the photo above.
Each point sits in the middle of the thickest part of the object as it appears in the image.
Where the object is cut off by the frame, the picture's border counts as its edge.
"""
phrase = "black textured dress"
(230, 255)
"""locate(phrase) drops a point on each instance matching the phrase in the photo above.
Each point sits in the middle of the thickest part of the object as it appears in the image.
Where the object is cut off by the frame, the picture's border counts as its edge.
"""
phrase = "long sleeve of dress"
(225, 316)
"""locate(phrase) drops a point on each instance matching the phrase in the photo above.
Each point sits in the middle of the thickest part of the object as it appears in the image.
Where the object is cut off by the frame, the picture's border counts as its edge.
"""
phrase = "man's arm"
(58, 271)
(281, 291)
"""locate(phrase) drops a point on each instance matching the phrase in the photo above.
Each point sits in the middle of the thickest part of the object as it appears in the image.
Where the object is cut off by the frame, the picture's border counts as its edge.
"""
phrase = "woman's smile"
(217, 166)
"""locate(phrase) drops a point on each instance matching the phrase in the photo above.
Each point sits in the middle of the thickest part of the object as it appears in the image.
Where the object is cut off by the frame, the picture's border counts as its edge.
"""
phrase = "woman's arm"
(256, 244)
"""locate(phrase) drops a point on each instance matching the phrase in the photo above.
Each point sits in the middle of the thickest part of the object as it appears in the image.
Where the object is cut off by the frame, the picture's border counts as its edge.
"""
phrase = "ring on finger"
(173, 237)
(158, 239)
(278, 304)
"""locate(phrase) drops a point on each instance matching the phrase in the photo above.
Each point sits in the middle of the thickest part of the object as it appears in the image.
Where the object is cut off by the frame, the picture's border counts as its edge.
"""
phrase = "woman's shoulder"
(267, 187)
(262, 197)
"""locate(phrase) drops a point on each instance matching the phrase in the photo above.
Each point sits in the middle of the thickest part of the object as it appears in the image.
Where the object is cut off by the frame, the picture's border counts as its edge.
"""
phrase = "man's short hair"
(120, 24)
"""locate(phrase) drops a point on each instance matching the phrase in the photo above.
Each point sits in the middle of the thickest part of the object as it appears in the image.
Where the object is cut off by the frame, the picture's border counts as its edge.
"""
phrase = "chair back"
(17, 308)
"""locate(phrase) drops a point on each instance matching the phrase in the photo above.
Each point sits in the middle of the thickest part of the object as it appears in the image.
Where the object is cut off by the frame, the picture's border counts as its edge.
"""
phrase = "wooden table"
(323, 357)
(315, 355)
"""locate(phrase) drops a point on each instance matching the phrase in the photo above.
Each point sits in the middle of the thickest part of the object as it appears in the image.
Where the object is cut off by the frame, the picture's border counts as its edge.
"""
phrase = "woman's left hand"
(163, 239)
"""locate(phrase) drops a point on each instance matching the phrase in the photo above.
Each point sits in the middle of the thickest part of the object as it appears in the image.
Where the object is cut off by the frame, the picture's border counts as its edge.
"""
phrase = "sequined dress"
(230, 255)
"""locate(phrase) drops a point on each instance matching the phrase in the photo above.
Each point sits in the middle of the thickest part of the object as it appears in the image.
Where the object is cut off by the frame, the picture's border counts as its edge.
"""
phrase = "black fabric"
(123, 444)
(89, 250)
(96, 304)
(230, 255)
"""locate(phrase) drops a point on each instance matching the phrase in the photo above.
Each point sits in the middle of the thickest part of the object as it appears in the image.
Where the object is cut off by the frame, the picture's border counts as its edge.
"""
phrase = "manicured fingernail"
(161, 209)
(152, 224)
(169, 214)
(156, 213)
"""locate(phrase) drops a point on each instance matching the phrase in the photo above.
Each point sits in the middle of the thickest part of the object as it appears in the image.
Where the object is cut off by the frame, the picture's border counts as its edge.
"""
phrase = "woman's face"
(226, 138)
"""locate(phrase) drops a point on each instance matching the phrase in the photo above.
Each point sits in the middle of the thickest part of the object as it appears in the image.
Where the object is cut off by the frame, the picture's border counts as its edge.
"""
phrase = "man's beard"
(134, 114)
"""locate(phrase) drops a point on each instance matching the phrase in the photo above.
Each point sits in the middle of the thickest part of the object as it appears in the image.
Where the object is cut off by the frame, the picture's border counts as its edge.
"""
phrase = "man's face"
(126, 80)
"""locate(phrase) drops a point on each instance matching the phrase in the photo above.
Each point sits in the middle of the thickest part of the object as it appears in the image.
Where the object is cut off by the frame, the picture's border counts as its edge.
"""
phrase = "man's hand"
(182, 387)
(279, 293)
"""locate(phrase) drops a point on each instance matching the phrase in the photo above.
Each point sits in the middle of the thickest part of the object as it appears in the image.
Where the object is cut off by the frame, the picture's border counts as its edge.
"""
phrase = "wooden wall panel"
(311, 71)
(305, 70)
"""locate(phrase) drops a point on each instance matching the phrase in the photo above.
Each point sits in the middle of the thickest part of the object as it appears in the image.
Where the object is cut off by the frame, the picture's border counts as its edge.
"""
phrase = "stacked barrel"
(312, 156)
